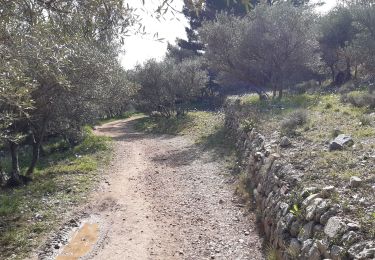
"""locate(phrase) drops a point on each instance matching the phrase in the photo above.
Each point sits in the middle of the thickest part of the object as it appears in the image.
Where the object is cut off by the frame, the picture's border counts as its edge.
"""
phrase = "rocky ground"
(321, 191)
(163, 197)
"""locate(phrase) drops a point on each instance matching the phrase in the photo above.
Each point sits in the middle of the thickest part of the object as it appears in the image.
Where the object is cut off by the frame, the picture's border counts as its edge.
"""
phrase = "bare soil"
(163, 197)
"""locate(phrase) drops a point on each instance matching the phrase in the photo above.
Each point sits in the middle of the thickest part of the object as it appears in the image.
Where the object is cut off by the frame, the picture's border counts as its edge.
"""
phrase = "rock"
(337, 252)
(363, 250)
(318, 230)
(323, 246)
(340, 142)
(295, 228)
(306, 246)
(334, 227)
(38, 217)
(309, 199)
(350, 238)
(355, 181)
(327, 191)
(314, 253)
(353, 226)
(311, 208)
(306, 232)
(294, 247)
(321, 208)
(326, 216)
(308, 191)
(285, 142)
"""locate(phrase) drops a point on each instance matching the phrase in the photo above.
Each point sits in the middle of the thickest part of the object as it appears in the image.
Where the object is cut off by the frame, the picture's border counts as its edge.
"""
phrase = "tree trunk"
(15, 173)
(332, 73)
(348, 73)
(280, 93)
(355, 71)
(35, 157)
(37, 142)
(274, 92)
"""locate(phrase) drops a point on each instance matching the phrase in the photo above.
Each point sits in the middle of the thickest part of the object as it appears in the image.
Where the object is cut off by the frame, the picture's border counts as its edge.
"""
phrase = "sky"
(139, 48)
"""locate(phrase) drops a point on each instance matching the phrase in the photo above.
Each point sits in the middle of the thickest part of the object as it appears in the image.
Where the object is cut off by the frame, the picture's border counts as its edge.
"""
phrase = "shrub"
(347, 87)
(365, 120)
(358, 99)
(293, 121)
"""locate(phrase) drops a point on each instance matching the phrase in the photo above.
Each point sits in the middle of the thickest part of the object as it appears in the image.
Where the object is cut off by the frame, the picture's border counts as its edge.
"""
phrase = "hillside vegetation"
(62, 181)
(301, 128)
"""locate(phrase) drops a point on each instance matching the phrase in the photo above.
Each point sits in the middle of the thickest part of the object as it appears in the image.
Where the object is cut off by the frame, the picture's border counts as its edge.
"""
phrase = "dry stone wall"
(298, 222)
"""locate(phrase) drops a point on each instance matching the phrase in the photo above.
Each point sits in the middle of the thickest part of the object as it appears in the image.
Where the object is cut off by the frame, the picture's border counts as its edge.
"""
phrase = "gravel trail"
(165, 198)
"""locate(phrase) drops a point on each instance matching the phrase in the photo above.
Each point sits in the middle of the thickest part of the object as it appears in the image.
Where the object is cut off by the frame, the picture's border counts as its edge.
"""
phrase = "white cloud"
(139, 48)
(326, 7)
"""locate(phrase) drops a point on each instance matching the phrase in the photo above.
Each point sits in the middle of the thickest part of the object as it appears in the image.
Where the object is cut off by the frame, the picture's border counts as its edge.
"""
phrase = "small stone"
(311, 208)
(309, 199)
(334, 227)
(295, 228)
(221, 201)
(340, 142)
(353, 226)
(337, 252)
(38, 217)
(321, 209)
(350, 238)
(306, 232)
(327, 215)
(294, 247)
(285, 142)
(314, 253)
(308, 191)
(323, 246)
(355, 181)
(306, 246)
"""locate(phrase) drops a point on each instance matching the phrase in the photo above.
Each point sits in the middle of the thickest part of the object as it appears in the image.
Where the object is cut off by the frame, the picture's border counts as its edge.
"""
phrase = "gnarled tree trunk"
(15, 173)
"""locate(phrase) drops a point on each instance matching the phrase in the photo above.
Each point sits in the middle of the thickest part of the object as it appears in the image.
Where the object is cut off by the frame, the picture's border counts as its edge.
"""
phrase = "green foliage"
(91, 143)
(61, 73)
(168, 87)
(274, 46)
(8, 205)
(360, 99)
(62, 179)
(296, 211)
(366, 120)
(248, 124)
(270, 252)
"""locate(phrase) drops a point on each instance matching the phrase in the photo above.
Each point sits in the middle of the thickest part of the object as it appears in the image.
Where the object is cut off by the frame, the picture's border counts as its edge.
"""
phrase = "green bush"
(359, 99)
(293, 121)
(91, 143)
(365, 120)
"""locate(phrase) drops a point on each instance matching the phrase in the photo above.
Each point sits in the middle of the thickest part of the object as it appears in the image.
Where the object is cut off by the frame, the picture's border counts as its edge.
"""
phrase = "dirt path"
(164, 198)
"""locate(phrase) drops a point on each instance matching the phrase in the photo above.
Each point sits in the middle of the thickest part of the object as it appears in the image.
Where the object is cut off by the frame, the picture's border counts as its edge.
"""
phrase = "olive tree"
(169, 86)
(60, 68)
(272, 47)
